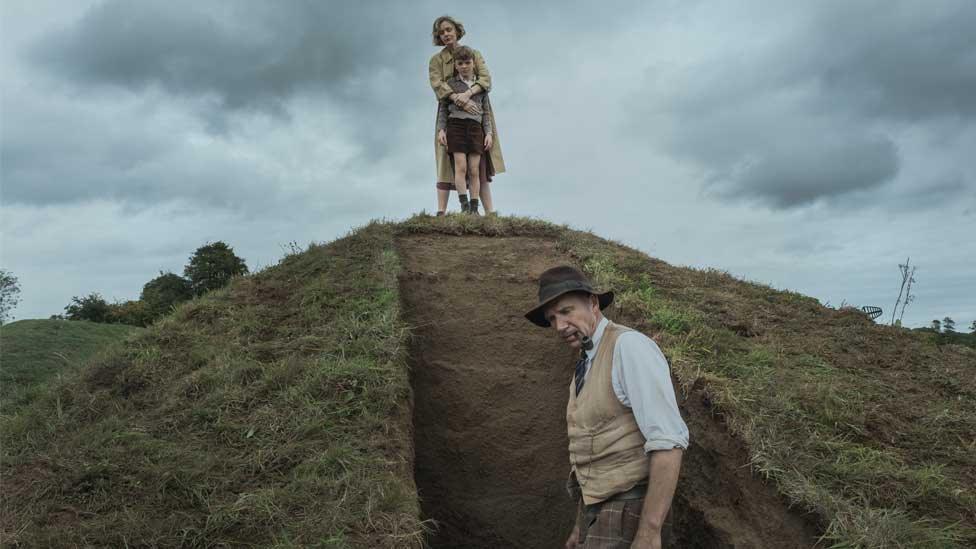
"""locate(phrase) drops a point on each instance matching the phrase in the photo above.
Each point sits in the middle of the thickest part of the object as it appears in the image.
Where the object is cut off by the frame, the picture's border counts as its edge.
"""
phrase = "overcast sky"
(811, 146)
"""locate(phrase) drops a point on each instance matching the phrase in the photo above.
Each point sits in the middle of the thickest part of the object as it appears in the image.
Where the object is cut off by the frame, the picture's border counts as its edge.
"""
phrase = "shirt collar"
(598, 335)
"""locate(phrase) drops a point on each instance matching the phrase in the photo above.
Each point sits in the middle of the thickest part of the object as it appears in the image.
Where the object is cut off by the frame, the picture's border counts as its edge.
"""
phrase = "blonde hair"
(437, 30)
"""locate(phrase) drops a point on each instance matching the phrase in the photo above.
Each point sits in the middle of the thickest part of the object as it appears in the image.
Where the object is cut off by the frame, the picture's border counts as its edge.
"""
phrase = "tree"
(972, 327)
(948, 325)
(9, 294)
(937, 325)
(92, 307)
(160, 294)
(212, 267)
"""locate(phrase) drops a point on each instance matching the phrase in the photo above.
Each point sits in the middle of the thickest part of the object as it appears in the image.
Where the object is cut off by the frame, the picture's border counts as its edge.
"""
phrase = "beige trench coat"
(441, 68)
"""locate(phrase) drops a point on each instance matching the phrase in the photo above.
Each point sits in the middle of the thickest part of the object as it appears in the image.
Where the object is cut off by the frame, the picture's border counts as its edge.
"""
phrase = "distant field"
(32, 351)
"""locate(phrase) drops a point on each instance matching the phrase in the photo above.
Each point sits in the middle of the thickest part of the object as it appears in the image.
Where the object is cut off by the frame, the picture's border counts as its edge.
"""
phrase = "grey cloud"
(251, 55)
(793, 174)
(900, 60)
(93, 156)
(935, 194)
(815, 114)
(365, 62)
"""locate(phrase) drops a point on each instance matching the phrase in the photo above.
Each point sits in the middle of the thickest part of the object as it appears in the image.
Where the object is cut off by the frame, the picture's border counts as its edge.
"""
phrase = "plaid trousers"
(609, 525)
(613, 525)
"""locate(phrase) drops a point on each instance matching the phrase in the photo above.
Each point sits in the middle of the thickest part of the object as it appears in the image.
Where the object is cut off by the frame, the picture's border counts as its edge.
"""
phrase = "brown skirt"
(465, 136)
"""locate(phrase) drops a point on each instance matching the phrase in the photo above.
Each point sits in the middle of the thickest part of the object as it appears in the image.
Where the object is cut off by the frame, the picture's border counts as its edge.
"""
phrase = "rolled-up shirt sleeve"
(642, 381)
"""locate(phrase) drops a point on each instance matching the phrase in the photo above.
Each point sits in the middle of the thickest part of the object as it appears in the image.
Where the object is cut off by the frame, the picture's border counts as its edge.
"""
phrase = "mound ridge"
(310, 403)
(34, 351)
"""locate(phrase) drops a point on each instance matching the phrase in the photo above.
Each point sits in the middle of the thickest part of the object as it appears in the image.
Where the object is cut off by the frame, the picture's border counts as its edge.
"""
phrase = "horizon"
(809, 148)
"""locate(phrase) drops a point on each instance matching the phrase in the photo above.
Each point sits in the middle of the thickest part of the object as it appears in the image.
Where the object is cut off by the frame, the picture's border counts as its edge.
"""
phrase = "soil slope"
(489, 414)
(489, 392)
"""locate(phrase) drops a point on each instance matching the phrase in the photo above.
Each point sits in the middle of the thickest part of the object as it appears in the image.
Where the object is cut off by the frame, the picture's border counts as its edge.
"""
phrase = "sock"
(463, 198)
(474, 204)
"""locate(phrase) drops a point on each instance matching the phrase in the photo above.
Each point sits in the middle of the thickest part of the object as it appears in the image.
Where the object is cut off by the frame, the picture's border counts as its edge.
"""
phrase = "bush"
(92, 307)
(133, 313)
(212, 266)
(162, 293)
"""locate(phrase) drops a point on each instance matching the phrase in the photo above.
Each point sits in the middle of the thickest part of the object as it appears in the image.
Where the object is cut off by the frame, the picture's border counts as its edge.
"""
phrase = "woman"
(447, 32)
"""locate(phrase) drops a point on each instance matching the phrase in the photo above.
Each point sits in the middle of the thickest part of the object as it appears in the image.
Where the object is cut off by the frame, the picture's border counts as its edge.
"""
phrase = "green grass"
(872, 428)
(276, 412)
(34, 351)
(818, 395)
(272, 413)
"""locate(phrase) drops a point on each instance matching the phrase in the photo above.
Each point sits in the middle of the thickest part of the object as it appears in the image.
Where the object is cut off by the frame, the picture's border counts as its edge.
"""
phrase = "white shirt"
(641, 380)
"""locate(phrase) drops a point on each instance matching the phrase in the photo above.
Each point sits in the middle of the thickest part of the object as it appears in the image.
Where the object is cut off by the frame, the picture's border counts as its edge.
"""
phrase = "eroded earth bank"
(490, 394)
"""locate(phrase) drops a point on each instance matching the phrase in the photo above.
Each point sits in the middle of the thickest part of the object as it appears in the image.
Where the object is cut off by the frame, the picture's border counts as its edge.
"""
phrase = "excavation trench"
(489, 413)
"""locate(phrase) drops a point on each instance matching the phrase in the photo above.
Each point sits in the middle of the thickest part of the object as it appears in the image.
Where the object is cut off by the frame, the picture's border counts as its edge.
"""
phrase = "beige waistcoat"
(606, 447)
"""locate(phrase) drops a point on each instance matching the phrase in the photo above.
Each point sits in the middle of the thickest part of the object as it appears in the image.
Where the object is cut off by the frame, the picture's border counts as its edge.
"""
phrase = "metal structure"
(872, 312)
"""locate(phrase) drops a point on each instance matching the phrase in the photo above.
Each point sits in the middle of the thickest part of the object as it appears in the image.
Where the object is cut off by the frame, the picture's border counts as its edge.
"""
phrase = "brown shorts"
(465, 136)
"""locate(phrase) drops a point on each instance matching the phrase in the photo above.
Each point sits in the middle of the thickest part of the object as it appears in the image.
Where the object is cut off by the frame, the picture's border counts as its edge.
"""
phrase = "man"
(626, 435)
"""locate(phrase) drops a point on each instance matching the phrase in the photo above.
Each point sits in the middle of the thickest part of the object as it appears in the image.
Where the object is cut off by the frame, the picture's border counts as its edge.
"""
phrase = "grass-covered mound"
(276, 412)
(34, 351)
(871, 427)
(272, 413)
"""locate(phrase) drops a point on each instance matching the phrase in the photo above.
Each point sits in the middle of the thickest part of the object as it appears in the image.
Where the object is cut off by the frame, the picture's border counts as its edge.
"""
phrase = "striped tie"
(580, 372)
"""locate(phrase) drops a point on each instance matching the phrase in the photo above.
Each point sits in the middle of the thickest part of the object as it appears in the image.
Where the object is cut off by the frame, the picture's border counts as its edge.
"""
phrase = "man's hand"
(646, 539)
(574, 539)
(665, 466)
(488, 141)
(442, 137)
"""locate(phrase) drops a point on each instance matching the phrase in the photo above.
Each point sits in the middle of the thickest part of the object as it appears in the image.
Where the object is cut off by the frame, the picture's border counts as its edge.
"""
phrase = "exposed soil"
(489, 415)
(489, 392)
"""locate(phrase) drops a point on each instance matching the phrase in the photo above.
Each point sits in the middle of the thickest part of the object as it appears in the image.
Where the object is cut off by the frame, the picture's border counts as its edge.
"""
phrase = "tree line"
(945, 332)
(210, 267)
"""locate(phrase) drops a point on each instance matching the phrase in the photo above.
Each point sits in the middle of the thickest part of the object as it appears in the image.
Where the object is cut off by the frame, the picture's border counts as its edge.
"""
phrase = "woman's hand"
(442, 137)
(470, 108)
(488, 141)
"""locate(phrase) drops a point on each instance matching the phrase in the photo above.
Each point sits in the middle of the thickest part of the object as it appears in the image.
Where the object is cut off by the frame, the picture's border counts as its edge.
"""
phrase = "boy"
(465, 134)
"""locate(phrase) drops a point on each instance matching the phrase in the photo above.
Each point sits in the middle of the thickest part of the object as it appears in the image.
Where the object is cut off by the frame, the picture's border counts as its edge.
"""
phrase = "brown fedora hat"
(558, 281)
